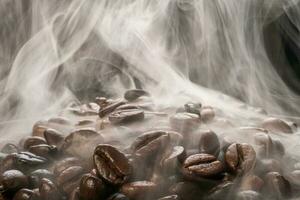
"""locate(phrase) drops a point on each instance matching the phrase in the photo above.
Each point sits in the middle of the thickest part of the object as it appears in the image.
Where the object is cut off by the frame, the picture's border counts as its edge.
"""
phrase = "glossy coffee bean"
(111, 164)
(277, 186)
(134, 94)
(118, 196)
(12, 180)
(240, 157)
(173, 159)
(185, 122)
(92, 188)
(150, 144)
(126, 116)
(138, 189)
(209, 143)
(198, 166)
(278, 126)
(109, 108)
(48, 190)
(34, 140)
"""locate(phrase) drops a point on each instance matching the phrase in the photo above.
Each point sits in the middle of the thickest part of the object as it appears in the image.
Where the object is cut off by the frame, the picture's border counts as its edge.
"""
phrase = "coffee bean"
(240, 157)
(207, 114)
(193, 108)
(224, 190)
(111, 164)
(126, 116)
(187, 190)
(43, 150)
(13, 180)
(277, 186)
(74, 194)
(264, 166)
(39, 128)
(118, 196)
(24, 194)
(91, 188)
(198, 166)
(54, 137)
(278, 126)
(170, 197)
(209, 143)
(109, 108)
(171, 161)
(69, 174)
(37, 175)
(65, 164)
(185, 122)
(132, 95)
(139, 189)
(127, 107)
(34, 140)
(251, 182)
(48, 190)
(60, 120)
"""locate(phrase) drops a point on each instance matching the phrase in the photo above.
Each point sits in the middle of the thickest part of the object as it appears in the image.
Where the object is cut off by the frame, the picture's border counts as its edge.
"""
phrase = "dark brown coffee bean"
(193, 108)
(209, 143)
(249, 195)
(126, 116)
(207, 114)
(111, 164)
(92, 188)
(66, 163)
(132, 95)
(54, 137)
(69, 174)
(43, 150)
(201, 165)
(240, 157)
(48, 190)
(277, 186)
(150, 144)
(185, 122)
(138, 189)
(118, 196)
(37, 175)
(278, 126)
(13, 180)
(109, 108)
(9, 148)
(170, 197)
(34, 140)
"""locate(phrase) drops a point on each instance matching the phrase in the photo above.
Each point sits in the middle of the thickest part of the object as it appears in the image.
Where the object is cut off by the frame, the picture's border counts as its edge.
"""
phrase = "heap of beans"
(108, 152)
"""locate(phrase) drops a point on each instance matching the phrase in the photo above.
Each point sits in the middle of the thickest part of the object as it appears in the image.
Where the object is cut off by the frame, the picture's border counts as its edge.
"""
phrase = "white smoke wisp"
(178, 49)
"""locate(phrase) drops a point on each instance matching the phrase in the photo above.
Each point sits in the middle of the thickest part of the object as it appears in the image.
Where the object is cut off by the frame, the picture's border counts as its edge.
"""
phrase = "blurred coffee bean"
(294, 178)
(66, 163)
(43, 150)
(103, 111)
(251, 182)
(225, 190)
(60, 120)
(264, 166)
(185, 122)
(269, 148)
(26, 194)
(240, 157)
(276, 186)
(118, 196)
(111, 164)
(187, 190)
(13, 180)
(54, 137)
(176, 156)
(101, 101)
(193, 108)
(48, 190)
(133, 94)
(92, 188)
(126, 116)
(139, 189)
(37, 175)
(74, 194)
(248, 195)
(170, 197)
(198, 166)
(277, 126)
(127, 107)
(33, 140)
(150, 144)
(209, 143)
(39, 128)
(9, 148)
(207, 114)
(69, 174)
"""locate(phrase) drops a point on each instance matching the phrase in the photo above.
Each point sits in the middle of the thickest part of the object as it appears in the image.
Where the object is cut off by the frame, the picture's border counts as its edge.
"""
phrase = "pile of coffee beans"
(129, 149)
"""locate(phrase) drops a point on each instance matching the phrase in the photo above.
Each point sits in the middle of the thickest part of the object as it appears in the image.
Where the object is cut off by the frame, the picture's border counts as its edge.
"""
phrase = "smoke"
(56, 52)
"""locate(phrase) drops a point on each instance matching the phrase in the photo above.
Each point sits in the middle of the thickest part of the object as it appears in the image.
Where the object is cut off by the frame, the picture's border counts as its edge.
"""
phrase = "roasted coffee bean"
(37, 175)
(109, 108)
(150, 144)
(43, 150)
(198, 166)
(48, 190)
(118, 196)
(34, 140)
(66, 163)
(60, 121)
(25, 194)
(251, 182)
(278, 126)
(277, 186)
(132, 95)
(193, 108)
(139, 189)
(248, 195)
(126, 116)
(240, 157)
(209, 143)
(92, 188)
(185, 122)
(127, 107)
(54, 137)
(170, 162)
(111, 164)
(13, 180)
(9, 148)
(207, 114)
(170, 197)
(69, 174)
